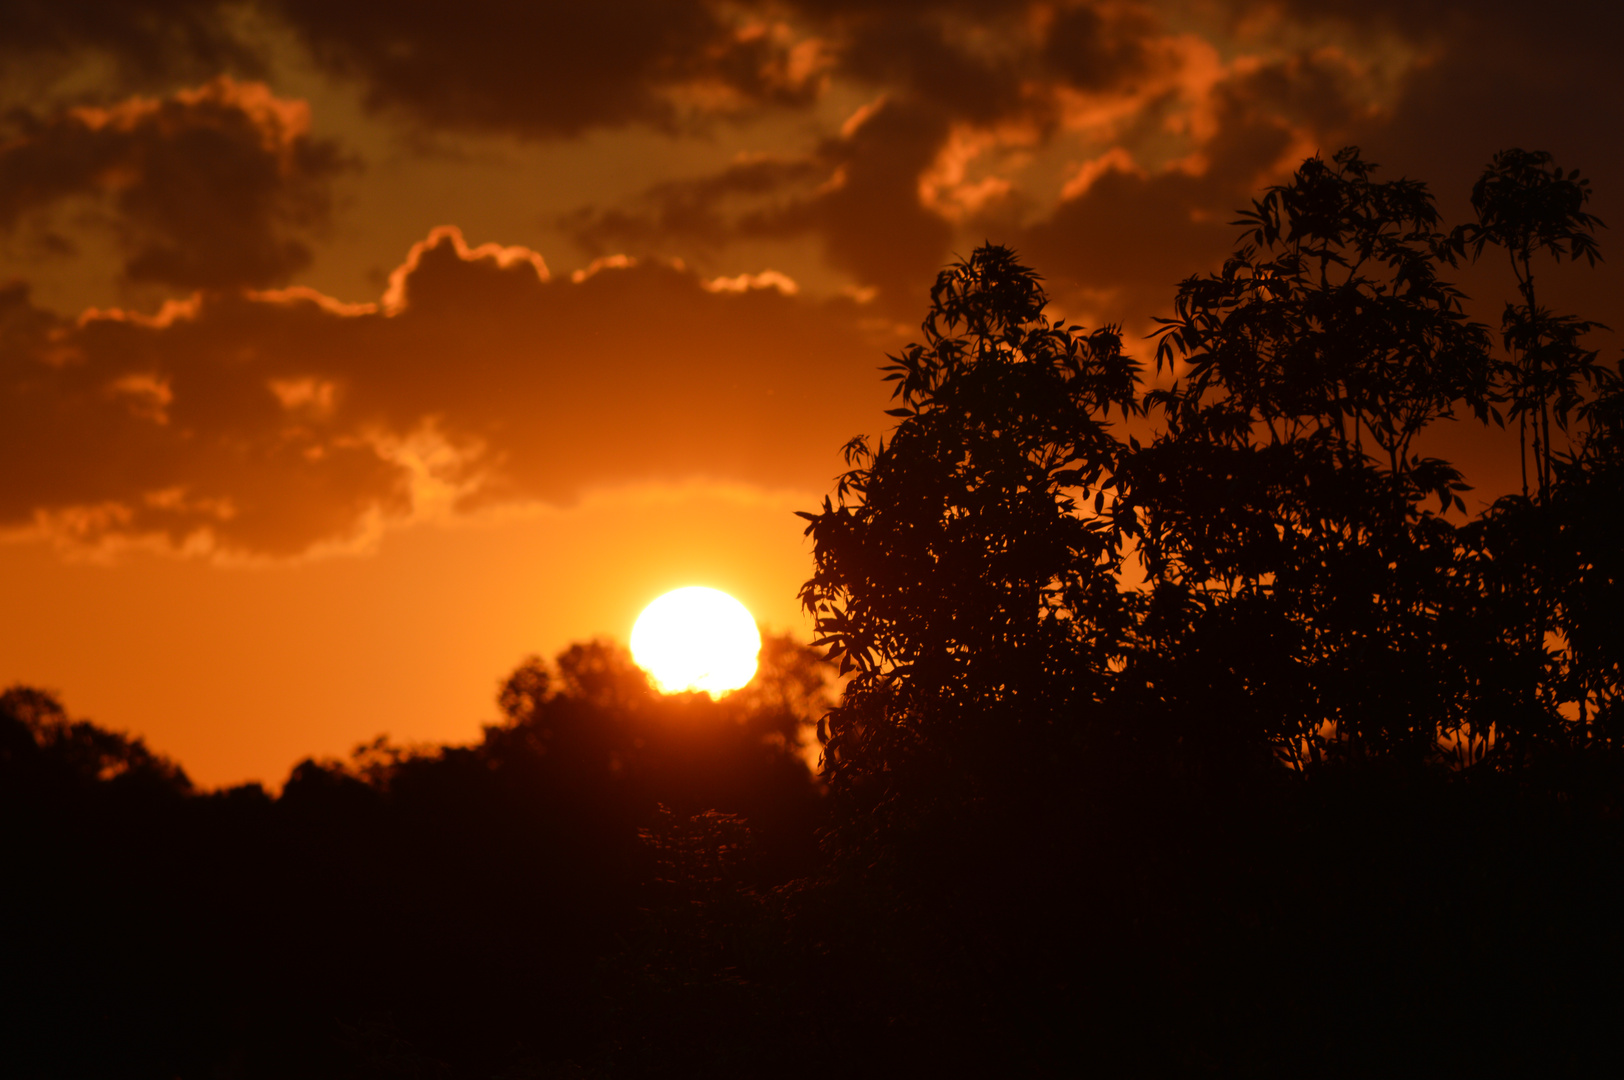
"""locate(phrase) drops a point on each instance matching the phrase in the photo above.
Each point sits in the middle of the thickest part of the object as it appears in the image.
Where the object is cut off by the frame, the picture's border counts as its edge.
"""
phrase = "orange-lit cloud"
(997, 121)
(275, 422)
(986, 119)
(1134, 232)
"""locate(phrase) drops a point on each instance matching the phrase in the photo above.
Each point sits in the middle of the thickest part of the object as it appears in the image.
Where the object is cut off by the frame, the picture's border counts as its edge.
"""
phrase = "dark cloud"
(1092, 52)
(869, 217)
(536, 70)
(211, 188)
(1131, 235)
(1510, 74)
(1193, 126)
(550, 69)
(149, 43)
(857, 194)
(918, 55)
(698, 212)
(269, 423)
(559, 69)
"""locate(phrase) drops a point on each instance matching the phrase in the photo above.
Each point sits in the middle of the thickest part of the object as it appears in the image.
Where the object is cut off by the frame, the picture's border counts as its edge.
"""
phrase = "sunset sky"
(349, 353)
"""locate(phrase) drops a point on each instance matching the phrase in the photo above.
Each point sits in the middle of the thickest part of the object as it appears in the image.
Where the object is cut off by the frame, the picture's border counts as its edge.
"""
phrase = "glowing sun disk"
(696, 639)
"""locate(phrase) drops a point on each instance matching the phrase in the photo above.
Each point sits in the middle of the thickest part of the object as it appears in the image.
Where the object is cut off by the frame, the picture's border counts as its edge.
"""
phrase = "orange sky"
(345, 363)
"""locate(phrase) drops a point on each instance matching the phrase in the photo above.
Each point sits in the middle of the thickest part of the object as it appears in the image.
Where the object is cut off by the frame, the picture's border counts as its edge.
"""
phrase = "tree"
(1525, 204)
(1304, 597)
(42, 749)
(1303, 589)
(966, 571)
(1547, 559)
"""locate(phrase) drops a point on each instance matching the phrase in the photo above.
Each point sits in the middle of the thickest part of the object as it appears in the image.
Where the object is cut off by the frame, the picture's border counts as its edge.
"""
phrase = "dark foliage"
(1239, 746)
(1267, 579)
(406, 913)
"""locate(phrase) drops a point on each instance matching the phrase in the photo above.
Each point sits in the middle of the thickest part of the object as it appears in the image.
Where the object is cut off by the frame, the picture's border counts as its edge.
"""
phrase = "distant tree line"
(449, 910)
(1188, 723)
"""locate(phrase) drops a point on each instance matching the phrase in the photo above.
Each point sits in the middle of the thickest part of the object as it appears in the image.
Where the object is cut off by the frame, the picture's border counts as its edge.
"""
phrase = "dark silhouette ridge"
(1337, 785)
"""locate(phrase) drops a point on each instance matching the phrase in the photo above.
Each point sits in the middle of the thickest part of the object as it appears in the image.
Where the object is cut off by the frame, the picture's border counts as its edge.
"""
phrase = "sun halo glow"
(696, 638)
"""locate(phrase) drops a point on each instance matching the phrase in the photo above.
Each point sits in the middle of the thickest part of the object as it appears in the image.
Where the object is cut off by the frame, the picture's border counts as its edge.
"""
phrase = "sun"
(696, 639)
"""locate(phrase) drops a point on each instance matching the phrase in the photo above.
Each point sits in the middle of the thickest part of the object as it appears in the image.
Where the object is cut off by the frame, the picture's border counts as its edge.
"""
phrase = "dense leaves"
(1279, 573)
(967, 574)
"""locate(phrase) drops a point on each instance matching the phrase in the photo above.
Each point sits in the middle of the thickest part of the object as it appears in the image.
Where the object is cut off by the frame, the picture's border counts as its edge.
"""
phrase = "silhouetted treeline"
(1192, 725)
(446, 911)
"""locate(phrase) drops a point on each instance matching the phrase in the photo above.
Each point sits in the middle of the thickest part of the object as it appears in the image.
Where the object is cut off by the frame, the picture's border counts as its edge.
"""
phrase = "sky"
(350, 354)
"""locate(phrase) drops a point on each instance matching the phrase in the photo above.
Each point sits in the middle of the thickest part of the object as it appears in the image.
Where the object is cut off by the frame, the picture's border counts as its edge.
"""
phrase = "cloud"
(1116, 138)
(964, 142)
(858, 194)
(558, 69)
(1128, 234)
(1496, 74)
(1109, 141)
(275, 423)
(144, 43)
(209, 188)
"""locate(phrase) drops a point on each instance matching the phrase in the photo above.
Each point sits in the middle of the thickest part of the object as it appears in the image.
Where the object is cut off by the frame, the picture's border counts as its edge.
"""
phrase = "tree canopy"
(1251, 556)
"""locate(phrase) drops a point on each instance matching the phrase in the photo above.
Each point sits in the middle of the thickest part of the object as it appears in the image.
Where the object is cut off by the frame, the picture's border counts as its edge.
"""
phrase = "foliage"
(1312, 589)
(955, 568)
(40, 745)
(1525, 205)
(1285, 526)
(440, 910)
(1246, 693)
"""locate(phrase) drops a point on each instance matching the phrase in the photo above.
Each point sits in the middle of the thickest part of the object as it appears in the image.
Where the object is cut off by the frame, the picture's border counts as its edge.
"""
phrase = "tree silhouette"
(1298, 771)
(440, 910)
(41, 748)
(958, 576)
(1526, 205)
(1302, 584)
(1305, 598)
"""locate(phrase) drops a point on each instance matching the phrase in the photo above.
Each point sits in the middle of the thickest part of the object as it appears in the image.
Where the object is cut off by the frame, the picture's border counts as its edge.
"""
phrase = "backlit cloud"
(1000, 123)
(277, 422)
